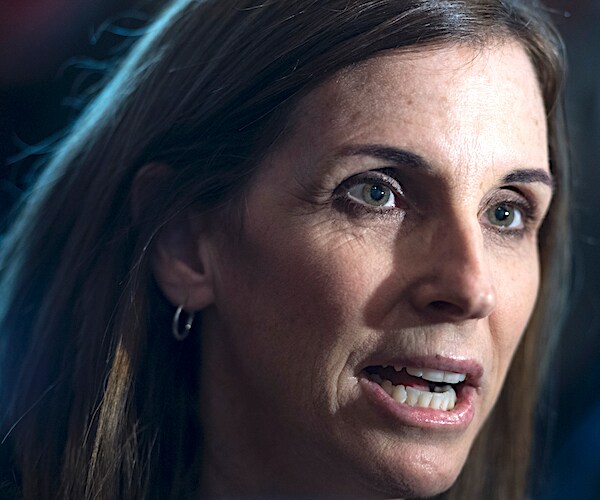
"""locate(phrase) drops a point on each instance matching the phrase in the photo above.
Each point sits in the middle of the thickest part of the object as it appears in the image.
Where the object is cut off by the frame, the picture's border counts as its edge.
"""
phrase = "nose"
(455, 282)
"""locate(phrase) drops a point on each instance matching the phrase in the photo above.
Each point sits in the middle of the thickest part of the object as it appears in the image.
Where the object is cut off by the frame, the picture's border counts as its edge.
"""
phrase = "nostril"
(480, 307)
(446, 307)
(454, 297)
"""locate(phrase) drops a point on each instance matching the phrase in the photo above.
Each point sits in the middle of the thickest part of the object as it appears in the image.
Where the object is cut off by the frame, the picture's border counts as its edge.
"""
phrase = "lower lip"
(425, 418)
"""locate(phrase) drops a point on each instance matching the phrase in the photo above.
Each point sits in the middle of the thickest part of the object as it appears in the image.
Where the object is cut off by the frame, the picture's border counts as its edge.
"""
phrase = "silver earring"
(178, 333)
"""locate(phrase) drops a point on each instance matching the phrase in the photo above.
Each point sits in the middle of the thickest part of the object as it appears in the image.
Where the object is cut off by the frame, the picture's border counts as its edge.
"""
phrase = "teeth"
(436, 375)
(424, 399)
(443, 398)
(433, 375)
(436, 400)
(387, 386)
(453, 378)
(445, 404)
(451, 402)
(415, 372)
(399, 393)
(412, 396)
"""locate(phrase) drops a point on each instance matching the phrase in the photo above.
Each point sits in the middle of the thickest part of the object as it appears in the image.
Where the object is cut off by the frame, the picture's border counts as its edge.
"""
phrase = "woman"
(293, 249)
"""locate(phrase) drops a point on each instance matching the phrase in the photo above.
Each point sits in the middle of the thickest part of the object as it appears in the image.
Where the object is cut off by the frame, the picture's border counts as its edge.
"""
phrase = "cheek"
(289, 314)
(298, 297)
(310, 269)
(517, 289)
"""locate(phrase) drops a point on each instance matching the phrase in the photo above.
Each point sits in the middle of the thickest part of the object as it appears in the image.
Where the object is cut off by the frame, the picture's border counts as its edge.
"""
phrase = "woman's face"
(366, 315)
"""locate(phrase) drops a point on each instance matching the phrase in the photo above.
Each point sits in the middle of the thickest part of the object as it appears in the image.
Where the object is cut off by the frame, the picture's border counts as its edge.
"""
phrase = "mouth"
(418, 387)
(432, 392)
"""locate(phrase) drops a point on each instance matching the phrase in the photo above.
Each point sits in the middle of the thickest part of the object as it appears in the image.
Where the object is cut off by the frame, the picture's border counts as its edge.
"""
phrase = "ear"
(182, 265)
(181, 258)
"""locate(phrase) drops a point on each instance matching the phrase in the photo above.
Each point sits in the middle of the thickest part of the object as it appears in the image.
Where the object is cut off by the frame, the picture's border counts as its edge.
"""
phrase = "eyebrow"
(413, 160)
(529, 175)
(388, 153)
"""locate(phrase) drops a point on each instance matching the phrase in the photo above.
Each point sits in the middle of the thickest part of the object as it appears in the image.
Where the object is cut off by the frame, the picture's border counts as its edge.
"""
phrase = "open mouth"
(419, 387)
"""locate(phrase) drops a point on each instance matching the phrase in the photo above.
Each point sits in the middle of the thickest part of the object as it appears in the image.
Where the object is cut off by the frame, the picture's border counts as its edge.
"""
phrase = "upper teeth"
(435, 375)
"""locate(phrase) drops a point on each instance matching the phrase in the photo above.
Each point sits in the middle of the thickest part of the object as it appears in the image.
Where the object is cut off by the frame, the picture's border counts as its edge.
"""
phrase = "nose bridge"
(460, 279)
(463, 246)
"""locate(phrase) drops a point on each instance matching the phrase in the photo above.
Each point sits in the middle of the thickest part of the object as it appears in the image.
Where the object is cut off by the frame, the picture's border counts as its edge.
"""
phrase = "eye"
(373, 193)
(377, 190)
(505, 215)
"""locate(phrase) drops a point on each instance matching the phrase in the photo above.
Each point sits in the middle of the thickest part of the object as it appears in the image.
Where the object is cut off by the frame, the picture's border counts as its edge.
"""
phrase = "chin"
(416, 483)
(424, 485)
(410, 471)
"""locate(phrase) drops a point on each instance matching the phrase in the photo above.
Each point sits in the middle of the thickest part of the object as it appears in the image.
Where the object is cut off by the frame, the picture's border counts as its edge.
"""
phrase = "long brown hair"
(97, 399)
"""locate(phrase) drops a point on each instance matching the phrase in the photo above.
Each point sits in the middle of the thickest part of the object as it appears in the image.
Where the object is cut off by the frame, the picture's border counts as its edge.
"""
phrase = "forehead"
(456, 105)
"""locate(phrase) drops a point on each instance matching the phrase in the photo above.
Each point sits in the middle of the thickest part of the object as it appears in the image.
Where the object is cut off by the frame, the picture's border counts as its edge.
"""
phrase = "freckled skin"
(308, 291)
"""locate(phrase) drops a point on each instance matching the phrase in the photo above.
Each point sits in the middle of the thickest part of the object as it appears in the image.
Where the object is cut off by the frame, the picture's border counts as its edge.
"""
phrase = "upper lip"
(470, 367)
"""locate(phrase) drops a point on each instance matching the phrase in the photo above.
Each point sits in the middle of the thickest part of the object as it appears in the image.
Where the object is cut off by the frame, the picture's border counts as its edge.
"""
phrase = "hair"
(96, 397)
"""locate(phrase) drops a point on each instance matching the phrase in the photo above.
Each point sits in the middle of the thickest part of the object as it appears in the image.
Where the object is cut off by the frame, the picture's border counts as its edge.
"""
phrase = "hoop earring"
(178, 333)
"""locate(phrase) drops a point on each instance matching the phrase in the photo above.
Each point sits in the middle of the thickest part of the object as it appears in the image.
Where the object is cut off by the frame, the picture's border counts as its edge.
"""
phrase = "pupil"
(502, 213)
(377, 193)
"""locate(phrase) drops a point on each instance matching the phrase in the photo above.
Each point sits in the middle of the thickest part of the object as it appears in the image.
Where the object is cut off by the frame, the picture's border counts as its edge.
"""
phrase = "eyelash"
(383, 177)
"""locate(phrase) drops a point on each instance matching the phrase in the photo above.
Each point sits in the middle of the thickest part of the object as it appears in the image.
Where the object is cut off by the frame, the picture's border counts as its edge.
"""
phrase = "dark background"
(54, 56)
(570, 456)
